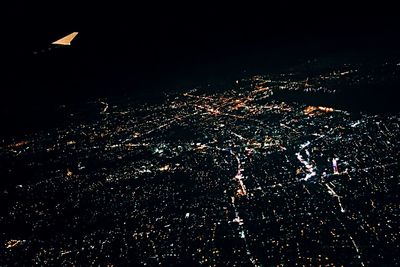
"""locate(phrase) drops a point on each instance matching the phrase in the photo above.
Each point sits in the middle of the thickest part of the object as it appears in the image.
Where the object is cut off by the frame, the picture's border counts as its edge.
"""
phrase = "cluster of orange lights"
(13, 243)
(238, 104)
(69, 172)
(311, 109)
(240, 192)
(19, 144)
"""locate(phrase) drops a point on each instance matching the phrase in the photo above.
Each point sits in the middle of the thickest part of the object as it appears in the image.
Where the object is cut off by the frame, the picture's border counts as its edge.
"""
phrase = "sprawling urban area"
(234, 176)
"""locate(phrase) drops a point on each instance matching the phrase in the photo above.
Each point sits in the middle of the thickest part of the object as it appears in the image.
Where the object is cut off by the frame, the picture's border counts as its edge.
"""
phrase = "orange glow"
(164, 168)
(239, 192)
(12, 243)
(298, 171)
(310, 109)
(19, 144)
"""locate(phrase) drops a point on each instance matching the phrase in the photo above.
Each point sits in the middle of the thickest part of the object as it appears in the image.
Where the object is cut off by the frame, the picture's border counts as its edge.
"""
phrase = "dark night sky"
(122, 40)
(122, 47)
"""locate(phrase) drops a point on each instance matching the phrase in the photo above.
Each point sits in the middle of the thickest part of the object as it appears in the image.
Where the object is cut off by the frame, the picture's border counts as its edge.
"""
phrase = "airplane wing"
(66, 40)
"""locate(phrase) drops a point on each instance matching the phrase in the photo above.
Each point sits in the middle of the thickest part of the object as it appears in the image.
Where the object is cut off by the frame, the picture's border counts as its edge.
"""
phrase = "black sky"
(193, 27)
(153, 36)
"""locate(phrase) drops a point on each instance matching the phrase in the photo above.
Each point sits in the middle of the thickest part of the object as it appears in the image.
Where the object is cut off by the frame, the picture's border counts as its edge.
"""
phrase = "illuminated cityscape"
(233, 176)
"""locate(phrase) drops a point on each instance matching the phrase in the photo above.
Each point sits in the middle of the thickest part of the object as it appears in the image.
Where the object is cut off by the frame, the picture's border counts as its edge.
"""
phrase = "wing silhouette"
(66, 40)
